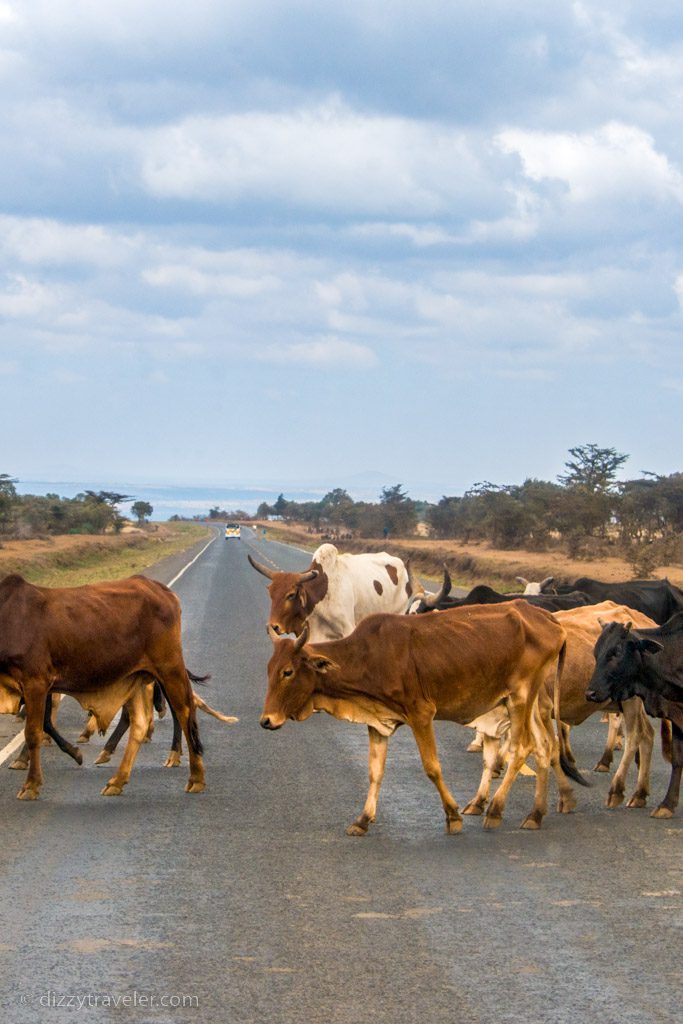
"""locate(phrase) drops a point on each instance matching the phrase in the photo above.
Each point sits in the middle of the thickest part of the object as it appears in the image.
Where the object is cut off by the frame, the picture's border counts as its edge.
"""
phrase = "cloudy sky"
(252, 241)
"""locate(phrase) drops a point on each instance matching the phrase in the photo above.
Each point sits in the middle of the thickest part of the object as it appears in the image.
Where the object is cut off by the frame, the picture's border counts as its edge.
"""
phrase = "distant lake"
(170, 501)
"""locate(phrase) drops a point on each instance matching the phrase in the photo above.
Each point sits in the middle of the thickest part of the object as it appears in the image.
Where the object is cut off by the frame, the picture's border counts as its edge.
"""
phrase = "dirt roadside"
(479, 563)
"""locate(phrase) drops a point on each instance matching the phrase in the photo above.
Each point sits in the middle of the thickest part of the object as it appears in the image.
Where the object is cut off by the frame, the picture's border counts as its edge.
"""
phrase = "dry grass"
(70, 561)
(479, 563)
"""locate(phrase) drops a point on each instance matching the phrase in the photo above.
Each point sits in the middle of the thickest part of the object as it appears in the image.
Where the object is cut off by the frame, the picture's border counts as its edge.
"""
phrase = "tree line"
(31, 515)
(583, 506)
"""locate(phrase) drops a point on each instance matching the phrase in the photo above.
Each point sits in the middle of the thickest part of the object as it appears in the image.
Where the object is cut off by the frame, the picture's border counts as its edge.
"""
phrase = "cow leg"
(176, 751)
(491, 755)
(544, 748)
(137, 714)
(50, 728)
(89, 729)
(176, 686)
(477, 744)
(670, 801)
(639, 737)
(35, 695)
(112, 743)
(520, 748)
(426, 744)
(613, 729)
(377, 759)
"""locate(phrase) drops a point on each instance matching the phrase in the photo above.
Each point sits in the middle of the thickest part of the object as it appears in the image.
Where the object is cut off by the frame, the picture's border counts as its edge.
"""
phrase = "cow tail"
(197, 679)
(666, 733)
(565, 764)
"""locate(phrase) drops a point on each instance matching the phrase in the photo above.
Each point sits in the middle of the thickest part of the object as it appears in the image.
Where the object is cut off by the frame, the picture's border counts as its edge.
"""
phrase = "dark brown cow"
(412, 669)
(102, 644)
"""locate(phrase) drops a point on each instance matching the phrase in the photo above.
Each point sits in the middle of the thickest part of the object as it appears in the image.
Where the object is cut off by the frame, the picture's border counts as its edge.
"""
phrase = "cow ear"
(321, 664)
(602, 622)
(650, 646)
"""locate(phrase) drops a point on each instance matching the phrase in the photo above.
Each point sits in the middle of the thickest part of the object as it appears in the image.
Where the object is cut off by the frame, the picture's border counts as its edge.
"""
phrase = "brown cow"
(100, 643)
(412, 669)
(583, 626)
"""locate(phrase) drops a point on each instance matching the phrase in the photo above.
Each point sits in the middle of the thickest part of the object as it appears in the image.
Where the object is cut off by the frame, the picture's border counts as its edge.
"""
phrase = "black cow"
(646, 663)
(482, 594)
(658, 599)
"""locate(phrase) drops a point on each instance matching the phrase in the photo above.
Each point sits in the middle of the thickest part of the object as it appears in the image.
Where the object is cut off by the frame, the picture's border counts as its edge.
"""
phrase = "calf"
(646, 663)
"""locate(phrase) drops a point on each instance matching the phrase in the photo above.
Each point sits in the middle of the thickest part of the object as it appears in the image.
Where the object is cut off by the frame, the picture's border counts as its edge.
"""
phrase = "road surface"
(248, 903)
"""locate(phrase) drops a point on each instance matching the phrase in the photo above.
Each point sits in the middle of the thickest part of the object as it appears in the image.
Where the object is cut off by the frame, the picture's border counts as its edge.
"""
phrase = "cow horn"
(520, 579)
(306, 576)
(433, 600)
(275, 637)
(628, 626)
(546, 582)
(416, 587)
(302, 638)
(268, 573)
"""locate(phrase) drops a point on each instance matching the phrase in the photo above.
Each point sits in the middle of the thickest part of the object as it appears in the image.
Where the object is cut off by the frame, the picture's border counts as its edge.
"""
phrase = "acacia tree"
(141, 510)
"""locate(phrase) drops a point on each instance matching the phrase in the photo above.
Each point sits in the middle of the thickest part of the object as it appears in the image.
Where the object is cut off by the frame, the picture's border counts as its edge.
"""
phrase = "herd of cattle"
(370, 645)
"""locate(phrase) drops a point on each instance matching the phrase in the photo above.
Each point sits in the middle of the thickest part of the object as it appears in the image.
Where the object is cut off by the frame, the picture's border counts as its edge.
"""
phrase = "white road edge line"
(17, 740)
(13, 745)
(191, 562)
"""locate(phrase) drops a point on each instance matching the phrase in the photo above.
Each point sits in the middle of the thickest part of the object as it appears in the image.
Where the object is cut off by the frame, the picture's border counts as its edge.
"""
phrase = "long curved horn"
(268, 573)
(306, 576)
(302, 638)
(433, 600)
(275, 637)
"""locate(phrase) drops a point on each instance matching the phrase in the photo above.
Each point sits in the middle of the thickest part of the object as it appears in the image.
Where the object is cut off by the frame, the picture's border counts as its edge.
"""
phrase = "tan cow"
(413, 669)
(583, 627)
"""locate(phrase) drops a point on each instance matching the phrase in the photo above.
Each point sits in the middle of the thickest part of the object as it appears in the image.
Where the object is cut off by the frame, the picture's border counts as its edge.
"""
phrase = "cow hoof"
(19, 765)
(104, 757)
(356, 829)
(662, 812)
(173, 760)
(531, 822)
(475, 747)
(491, 823)
(27, 793)
(473, 808)
(566, 804)
(600, 767)
(614, 799)
(147, 739)
(453, 826)
(637, 801)
(111, 789)
(84, 738)
(526, 770)
(78, 757)
(195, 787)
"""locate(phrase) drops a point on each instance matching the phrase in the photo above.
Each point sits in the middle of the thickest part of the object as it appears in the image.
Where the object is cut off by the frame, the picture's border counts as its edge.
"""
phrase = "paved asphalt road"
(251, 900)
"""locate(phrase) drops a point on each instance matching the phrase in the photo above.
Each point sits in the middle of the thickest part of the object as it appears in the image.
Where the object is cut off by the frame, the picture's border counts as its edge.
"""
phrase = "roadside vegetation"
(57, 541)
(585, 516)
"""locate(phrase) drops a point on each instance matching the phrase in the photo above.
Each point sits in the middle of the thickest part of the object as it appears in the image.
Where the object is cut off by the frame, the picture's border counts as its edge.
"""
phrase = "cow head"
(293, 596)
(618, 662)
(294, 672)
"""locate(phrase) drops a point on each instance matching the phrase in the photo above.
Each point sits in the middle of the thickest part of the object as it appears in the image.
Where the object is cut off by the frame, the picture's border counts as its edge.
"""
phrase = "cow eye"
(287, 673)
(291, 597)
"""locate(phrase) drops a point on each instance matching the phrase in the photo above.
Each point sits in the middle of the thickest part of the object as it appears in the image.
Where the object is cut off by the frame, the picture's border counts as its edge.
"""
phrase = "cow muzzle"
(267, 722)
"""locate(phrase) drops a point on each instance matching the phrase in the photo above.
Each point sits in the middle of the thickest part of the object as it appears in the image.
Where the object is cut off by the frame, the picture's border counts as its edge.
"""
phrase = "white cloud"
(616, 162)
(197, 282)
(326, 156)
(321, 353)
